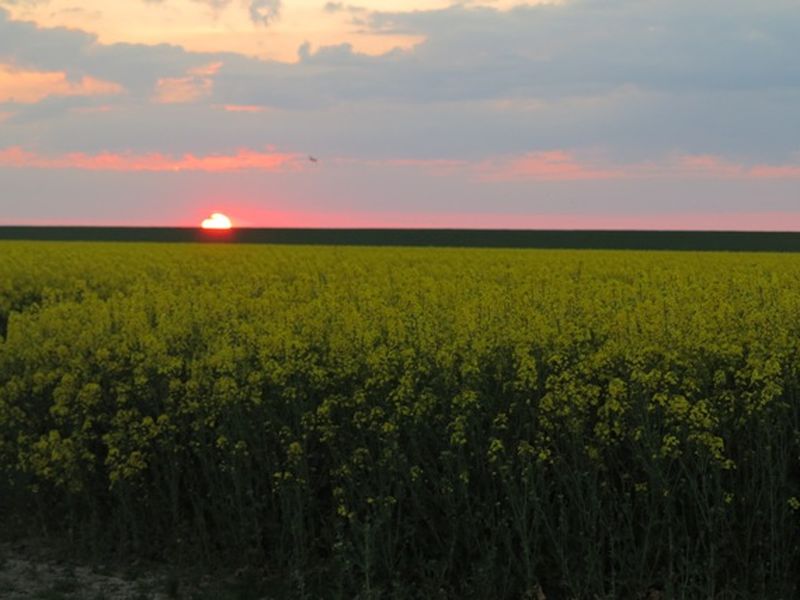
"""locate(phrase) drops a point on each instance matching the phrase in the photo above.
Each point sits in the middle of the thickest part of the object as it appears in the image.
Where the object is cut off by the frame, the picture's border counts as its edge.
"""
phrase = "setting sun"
(216, 221)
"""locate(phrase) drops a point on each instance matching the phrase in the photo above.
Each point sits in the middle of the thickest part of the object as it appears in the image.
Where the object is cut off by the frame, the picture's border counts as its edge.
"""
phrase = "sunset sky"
(656, 114)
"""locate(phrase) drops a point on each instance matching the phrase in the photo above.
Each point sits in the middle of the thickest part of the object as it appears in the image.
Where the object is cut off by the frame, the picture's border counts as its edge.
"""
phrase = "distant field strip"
(410, 422)
(729, 241)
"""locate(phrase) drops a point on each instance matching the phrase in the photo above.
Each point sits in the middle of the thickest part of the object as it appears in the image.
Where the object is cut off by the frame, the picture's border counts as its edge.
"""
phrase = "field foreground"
(409, 423)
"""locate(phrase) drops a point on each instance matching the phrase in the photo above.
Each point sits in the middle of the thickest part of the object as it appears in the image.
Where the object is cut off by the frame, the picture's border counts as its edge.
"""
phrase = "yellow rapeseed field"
(409, 423)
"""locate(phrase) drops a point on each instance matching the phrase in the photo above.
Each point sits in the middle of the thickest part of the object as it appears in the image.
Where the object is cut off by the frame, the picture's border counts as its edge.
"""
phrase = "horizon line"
(399, 229)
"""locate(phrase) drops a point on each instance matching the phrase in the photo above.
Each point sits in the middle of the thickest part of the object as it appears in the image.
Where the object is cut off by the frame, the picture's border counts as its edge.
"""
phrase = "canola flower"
(411, 422)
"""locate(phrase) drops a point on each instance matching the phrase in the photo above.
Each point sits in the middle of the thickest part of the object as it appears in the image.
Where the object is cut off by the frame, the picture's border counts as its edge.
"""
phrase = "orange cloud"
(441, 167)
(776, 171)
(706, 164)
(433, 163)
(559, 165)
(434, 166)
(554, 165)
(716, 166)
(244, 108)
(29, 87)
(198, 83)
(242, 160)
(88, 110)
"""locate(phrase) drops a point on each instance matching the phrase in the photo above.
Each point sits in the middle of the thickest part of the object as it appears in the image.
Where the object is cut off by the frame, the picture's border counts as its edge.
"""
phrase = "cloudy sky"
(654, 114)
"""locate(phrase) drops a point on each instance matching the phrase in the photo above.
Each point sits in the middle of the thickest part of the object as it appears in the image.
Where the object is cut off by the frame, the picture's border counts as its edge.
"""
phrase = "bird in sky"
(312, 158)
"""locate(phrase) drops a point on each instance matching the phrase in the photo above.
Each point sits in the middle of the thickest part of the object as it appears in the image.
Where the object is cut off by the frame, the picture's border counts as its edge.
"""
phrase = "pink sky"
(495, 113)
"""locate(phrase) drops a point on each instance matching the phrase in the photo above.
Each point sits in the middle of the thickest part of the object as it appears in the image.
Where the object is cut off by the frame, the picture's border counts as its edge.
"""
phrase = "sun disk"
(216, 221)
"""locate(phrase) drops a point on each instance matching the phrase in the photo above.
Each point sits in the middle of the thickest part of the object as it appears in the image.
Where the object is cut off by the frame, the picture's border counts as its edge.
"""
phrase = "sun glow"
(216, 221)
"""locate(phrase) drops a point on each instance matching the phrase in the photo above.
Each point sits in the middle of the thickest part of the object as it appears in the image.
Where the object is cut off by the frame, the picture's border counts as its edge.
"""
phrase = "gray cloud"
(23, 2)
(548, 52)
(215, 4)
(137, 67)
(339, 7)
(585, 44)
(264, 12)
(636, 79)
